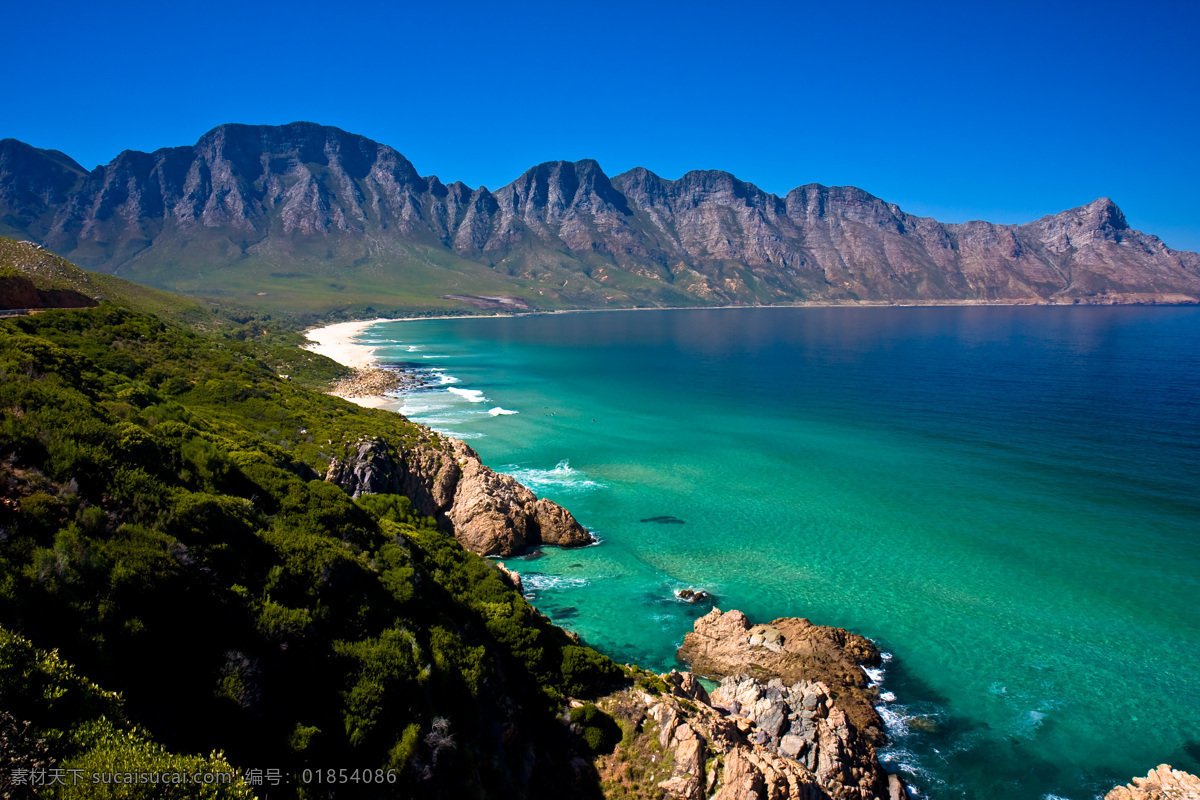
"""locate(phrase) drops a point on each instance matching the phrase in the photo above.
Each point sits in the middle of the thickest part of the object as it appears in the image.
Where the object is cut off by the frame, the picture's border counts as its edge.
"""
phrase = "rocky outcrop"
(1162, 783)
(375, 381)
(512, 576)
(489, 513)
(311, 200)
(749, 740)
(789, 649)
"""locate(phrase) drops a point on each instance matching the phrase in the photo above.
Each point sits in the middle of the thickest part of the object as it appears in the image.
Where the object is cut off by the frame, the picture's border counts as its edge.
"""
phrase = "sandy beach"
(337, 341)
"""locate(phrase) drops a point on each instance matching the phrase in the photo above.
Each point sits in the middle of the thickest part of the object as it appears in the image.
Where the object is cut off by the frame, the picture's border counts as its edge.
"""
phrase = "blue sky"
(956, 110)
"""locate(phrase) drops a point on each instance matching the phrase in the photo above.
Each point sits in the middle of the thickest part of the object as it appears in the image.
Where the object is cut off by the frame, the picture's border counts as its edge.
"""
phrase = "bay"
(1004, 498)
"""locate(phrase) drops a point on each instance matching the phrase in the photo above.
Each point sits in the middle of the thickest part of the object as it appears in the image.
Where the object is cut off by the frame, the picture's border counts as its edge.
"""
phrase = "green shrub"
(584, 671)
(599, 732)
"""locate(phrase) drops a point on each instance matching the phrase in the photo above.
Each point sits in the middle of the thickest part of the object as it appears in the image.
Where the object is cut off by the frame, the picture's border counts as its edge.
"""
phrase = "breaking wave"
(562, 478)
(470, 395)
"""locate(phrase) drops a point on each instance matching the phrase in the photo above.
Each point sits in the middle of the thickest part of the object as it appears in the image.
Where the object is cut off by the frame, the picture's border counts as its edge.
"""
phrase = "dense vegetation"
(83, 730)
(165, 529)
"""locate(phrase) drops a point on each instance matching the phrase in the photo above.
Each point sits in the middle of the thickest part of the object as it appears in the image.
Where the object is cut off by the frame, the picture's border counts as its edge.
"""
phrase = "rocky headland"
(489, 513)
(375, 381)
(790, 649)
(773, 728)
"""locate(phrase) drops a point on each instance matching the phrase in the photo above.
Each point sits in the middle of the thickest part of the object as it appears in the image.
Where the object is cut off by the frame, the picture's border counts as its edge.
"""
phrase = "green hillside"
(165, 530)
(344, 274)
(49, 271)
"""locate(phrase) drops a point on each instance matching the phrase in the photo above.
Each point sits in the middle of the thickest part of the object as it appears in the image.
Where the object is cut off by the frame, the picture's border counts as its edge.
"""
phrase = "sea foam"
(562, 478)
(470, 395)
(538, 581)
(894, 723)
(498, 411)
(875, 674)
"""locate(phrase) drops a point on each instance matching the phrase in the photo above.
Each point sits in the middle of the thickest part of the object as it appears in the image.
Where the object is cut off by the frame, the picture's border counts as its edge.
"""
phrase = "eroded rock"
(513, 577)
(489, 513)
(793, 650)
(1161, 783)
(750, 739)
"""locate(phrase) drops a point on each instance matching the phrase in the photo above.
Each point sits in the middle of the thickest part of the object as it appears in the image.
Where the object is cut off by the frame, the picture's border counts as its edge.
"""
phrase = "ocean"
(1004, 498)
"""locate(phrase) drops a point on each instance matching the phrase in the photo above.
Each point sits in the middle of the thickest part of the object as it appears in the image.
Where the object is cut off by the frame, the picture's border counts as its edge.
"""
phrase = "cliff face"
(489, 513)
(320, 200)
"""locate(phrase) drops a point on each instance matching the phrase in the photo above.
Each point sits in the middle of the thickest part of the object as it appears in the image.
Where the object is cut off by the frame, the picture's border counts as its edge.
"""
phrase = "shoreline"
(337, 342)
(1102, 301)
(357, 330)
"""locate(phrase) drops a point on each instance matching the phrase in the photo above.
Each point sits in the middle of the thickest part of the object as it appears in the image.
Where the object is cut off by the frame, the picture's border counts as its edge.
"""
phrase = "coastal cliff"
(778, 732)
(489, 513)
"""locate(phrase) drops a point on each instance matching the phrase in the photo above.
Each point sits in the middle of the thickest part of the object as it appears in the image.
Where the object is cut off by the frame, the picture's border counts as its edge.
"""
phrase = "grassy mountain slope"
(49, 271)
(165, 529)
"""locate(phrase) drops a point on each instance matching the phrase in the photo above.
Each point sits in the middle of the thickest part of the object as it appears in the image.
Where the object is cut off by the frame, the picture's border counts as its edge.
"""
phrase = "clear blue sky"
(1003, 111)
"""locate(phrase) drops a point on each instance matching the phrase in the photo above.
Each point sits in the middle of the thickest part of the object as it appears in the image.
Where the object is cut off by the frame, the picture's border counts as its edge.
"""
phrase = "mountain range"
(305, 216)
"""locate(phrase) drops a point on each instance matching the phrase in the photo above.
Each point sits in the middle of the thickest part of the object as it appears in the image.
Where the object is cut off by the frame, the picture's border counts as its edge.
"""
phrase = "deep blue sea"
(1005, 499)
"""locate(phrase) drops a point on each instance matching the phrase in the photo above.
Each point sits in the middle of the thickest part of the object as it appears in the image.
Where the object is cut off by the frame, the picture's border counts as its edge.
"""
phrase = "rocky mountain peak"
(33, 182)
(259, 149)
(305, 193)
(1105, 214)
(555, 188)
(15, 153)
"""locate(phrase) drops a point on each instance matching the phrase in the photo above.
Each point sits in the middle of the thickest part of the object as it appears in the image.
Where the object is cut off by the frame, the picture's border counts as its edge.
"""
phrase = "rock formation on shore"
(489, 513)
(374, 381)
(1162, 783)
(780, 742)
(758, 735)
(789, 649)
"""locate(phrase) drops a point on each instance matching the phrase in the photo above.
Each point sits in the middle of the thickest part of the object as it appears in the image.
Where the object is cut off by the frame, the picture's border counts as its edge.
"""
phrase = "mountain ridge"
(291, 212)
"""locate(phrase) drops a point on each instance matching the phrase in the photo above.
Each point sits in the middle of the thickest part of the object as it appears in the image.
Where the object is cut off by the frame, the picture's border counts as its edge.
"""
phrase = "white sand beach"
(338, 342)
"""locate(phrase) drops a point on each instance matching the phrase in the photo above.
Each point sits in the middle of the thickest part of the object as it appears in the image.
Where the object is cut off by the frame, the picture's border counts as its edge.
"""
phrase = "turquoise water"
(1004, 498)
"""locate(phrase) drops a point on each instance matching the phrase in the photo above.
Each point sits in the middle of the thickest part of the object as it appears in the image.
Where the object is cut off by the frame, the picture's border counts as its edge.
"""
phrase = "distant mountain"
(308, 216)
